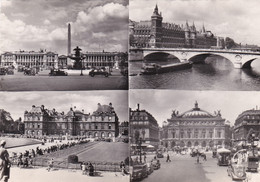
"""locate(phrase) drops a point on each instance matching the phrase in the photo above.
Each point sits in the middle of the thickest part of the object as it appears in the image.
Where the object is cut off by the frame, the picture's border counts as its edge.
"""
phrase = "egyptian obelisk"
(69, 40)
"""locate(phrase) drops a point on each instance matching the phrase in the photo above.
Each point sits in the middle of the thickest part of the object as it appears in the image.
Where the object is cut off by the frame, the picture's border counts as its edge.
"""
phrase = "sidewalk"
(62, 175)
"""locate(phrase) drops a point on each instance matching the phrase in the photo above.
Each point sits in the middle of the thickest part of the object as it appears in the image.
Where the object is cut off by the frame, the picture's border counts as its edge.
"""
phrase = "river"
(216, 73)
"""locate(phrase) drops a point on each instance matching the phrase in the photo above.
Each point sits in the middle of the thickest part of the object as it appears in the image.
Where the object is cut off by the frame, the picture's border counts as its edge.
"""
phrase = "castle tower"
(69, 40)
(156, 28)
(187, 34)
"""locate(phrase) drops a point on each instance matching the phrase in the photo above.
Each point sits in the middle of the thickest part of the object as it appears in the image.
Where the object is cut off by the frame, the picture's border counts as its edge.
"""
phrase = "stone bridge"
(239, 58)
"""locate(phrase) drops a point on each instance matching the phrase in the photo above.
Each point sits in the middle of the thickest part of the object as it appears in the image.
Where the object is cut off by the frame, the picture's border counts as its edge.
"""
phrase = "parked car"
(2, 71)
(223, 157)
(29, 71)
(140, 171)
(236, 169)
(156, 164)
(58, 73)
(159, 155)
(253, 163)
(9, 71)
(150, 167)
(95, 72)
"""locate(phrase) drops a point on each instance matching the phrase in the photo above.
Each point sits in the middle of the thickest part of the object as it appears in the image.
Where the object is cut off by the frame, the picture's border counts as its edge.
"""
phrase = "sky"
(237, 19)
(161, 103)
(18, 102)
(96, 25)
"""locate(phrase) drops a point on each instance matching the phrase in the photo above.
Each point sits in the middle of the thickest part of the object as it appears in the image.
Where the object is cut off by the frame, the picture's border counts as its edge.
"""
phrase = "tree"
(230, 43)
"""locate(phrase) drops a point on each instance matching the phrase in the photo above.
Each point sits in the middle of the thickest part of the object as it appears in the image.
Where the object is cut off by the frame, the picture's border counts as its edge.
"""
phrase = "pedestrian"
(91, 170)
(5, 163)
(122, 167)
(50, 164)
(168, 158)
(204, 157)
(198, 158)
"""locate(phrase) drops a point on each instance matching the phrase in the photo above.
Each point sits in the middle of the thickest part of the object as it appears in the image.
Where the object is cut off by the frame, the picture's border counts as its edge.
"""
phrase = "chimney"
(138, 107)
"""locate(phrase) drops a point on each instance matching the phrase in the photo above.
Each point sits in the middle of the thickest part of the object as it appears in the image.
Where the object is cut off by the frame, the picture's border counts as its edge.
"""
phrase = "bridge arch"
(201, 57)
(160, 55)
(247, 64)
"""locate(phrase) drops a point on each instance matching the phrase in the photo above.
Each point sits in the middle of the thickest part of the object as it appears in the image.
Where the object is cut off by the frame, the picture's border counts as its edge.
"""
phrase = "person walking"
(168, 158)
(5, 163)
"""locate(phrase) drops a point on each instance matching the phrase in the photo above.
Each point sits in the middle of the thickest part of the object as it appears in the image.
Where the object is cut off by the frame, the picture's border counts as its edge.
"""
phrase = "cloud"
(17, 102)
(5, 3)
(230, 103)
(237, 19)
(46, 22)
(44, 25)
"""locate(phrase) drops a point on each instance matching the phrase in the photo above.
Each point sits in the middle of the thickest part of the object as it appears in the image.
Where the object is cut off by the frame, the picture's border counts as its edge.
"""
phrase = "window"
(96, 127)
(109, 126)
(219, 134)
(39, 125)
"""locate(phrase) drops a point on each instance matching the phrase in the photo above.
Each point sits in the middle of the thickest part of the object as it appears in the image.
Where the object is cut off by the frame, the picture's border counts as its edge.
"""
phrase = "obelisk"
(69, 40)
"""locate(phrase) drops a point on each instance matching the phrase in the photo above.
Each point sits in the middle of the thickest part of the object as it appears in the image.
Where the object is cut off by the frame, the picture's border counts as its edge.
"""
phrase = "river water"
(216, 73)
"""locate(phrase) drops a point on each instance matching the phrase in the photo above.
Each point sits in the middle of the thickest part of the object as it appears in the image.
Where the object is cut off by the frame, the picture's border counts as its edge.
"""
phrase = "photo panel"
(64, 45)
(65, 136)
(194, 135)
(194, 45)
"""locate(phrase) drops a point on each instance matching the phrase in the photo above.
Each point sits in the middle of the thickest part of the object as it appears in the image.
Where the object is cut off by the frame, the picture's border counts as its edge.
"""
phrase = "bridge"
(239, 58)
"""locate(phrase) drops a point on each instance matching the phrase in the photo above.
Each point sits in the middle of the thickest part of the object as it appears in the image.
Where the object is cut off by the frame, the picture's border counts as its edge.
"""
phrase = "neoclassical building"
(102, 123)
(41, 59)
(195, 127)
(143, 126)
(156, 33)
(247, 122)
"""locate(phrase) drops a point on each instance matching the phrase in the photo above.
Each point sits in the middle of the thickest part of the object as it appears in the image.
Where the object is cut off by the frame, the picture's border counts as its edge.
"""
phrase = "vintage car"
(95, 72)
(223, 156)
(159, 155)
(150, 167)
(29, 71)
(253, 163)
(237, 166)
(9, 71)
(2, 71)
(58, 73)
(140, 171)
(156, 164)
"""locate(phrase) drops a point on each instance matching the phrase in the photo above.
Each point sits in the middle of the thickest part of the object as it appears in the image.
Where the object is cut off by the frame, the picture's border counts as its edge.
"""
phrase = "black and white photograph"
(56, 136)
(55, 45)
(194, 45)
(194, 136)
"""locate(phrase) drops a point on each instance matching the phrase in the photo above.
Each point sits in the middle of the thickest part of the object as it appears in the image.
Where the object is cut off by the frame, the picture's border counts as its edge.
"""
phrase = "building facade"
(247, 122)
(104, 59)
(143, 126)
(195, 127)
(102, 123)
(156, 33)
(41, 59)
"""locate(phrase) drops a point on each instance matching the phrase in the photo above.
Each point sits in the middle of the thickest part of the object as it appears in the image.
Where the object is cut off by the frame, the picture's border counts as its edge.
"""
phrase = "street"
(43, 82)
(184, 168)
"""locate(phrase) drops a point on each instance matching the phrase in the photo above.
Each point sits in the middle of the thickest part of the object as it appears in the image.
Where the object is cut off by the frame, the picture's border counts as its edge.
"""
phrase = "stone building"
(143, 126)
(156, 33)
(102, 123)
(195, 127)
(247, 122)
(41, 59)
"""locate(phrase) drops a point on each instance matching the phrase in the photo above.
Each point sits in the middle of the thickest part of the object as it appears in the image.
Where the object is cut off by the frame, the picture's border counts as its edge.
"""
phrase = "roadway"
(185, 169)
(41, 82)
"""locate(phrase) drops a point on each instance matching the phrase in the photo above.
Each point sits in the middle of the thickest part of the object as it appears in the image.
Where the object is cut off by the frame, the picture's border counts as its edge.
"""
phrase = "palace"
(41, 59)
(102, 123)
(195, 127)
(156, 33)
(143, 126)
(246, 121)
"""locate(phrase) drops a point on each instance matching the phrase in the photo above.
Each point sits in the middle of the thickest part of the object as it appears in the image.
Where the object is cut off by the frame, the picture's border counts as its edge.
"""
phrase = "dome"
(196, 112)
